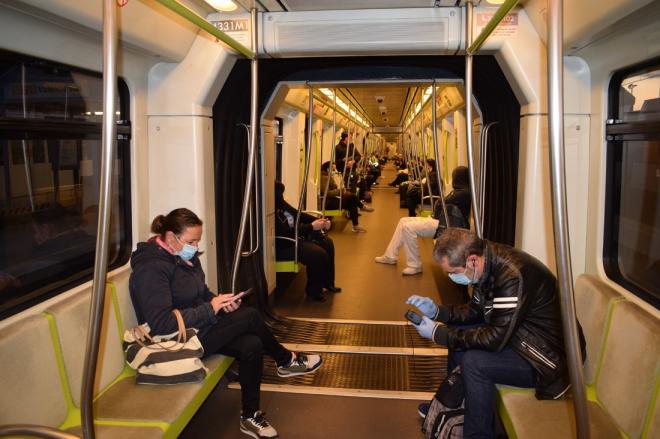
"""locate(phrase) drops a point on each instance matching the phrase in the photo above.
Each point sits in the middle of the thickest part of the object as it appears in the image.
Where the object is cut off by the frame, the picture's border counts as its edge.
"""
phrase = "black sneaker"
(302, 365)
(423, 409)
(257, 426)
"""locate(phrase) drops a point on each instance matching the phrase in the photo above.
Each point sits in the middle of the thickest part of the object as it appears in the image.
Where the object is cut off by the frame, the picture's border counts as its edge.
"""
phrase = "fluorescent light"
(495, 2)
(222, 5)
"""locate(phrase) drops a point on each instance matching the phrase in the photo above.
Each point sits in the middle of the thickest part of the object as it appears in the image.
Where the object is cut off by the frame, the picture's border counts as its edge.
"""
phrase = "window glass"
(639, 97)
(49, 181)
(632, 224)
(639, 216)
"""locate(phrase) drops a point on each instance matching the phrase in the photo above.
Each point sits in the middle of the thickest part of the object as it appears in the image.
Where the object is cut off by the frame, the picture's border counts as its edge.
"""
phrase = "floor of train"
(376, 369)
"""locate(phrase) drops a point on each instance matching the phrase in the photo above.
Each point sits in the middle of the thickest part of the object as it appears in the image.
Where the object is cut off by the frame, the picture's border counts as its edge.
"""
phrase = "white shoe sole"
(296, 374)
(411, 274)
(255, 435)
(387, 261)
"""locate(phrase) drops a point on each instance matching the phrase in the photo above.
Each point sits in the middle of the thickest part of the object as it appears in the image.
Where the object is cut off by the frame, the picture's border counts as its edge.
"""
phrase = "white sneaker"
(366, 208)
(385, 260)
(359, 229)
(302, 365)
(257, 426)
(411, 271)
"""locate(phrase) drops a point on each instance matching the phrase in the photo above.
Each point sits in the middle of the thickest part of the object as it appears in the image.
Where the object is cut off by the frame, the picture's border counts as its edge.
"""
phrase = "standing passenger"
(167, 275)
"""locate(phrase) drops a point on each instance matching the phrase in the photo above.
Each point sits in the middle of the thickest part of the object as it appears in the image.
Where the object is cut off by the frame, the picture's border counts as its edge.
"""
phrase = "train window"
(632, 226)
(50, 155)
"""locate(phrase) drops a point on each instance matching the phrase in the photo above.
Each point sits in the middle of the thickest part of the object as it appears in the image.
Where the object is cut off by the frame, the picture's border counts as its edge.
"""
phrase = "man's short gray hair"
(456, 245)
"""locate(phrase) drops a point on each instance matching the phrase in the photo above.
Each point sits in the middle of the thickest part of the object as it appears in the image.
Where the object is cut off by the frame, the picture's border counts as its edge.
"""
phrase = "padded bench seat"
(622, 374)
(42, 368)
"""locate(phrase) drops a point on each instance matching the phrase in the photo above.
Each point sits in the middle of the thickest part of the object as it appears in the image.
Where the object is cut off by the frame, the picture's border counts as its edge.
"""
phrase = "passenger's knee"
(471, 362)
(251, 347)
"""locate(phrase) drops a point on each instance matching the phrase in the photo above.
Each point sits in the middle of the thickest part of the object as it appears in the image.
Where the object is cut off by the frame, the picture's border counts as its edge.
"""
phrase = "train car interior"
(366, 113)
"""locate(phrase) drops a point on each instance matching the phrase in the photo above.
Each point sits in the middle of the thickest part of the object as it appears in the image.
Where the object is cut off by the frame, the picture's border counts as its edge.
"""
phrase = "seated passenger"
(315, 250)
(409, 228)
(349, 200)
(511, 331)
(167, 274)
(414, 194)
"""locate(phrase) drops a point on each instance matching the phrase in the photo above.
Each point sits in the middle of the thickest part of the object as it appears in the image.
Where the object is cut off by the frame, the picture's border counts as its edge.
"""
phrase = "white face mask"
(462, 279)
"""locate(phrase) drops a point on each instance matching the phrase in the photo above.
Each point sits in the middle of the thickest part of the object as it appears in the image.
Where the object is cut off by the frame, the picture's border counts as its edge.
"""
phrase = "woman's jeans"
(244, 335)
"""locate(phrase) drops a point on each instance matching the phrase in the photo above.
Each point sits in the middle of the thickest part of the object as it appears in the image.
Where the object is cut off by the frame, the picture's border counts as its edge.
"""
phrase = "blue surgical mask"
(187, 252)
(461, 278)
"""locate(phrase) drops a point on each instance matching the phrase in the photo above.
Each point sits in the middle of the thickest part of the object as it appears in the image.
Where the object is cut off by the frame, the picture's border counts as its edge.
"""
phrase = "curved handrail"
(437, 154)
(35, 431)
(308, 152)
(560, 215)
(109, 136)
(247, 194)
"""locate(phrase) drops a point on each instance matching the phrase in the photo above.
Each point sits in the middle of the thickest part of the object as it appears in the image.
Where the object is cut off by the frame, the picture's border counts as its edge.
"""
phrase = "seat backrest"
(626, 382)
(72, 321)
(32, 392)
(119, 287)
(593, 301)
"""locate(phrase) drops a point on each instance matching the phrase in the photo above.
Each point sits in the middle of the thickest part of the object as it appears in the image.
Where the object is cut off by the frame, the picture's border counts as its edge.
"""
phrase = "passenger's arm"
(151, 286)
(502, 320)
(466, 314)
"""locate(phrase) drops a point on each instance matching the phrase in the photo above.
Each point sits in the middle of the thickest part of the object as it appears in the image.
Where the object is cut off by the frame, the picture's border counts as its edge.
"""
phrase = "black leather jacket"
(517, 298)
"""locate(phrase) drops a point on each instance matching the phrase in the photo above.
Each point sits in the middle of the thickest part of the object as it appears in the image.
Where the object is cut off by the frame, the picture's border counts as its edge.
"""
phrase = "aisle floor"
(370, 291)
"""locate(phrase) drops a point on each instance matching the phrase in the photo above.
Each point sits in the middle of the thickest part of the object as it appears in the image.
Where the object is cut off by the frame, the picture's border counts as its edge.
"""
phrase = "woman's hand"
(318, 224)
(225, 302)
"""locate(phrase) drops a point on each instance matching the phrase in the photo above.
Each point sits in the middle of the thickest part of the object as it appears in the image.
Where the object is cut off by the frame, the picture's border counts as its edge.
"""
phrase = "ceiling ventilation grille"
(415, 31)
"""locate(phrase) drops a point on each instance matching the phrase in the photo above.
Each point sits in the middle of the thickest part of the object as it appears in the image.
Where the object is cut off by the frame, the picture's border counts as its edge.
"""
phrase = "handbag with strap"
(165, 359)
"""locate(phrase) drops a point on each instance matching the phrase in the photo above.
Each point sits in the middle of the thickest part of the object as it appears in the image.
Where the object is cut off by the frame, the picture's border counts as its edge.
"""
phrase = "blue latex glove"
(426, 328)
(424, 304)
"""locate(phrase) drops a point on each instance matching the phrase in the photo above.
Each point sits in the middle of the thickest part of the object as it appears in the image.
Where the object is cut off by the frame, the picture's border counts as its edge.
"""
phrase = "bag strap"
(183, 334)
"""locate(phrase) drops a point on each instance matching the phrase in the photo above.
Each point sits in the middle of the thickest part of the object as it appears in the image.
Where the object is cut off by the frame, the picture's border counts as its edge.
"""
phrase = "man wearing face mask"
(509, 333)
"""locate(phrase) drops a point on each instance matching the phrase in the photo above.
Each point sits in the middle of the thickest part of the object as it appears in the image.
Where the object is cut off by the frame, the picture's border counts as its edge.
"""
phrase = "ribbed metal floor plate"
(349, 334)
(403, 373)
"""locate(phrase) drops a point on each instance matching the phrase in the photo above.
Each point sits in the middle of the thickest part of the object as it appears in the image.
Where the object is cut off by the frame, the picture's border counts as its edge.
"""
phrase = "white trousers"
(406, 233)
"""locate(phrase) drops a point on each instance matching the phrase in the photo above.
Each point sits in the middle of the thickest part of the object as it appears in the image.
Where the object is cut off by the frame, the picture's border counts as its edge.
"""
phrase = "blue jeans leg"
(481, 371)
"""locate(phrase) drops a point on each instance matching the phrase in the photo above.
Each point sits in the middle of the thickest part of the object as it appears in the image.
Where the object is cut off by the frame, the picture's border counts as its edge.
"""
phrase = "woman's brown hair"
(176, 222)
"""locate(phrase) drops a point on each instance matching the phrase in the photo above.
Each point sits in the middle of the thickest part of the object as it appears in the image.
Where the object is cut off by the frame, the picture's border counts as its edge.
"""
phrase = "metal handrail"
(483, 160)
(490, 27)
(437, 156)
(332, 153)
(203, 24)
(560, 214)
(308, 152)
(255, 226)
(247, 193)
(469, 7)
(108, 136)
(34, 431)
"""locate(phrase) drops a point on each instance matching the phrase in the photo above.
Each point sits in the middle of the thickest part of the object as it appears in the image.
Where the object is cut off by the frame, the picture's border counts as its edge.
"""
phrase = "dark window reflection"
(49, 182)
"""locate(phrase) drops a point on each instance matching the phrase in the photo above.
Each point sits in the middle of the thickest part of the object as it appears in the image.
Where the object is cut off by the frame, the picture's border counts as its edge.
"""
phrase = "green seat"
(333, 213)
(287, 267)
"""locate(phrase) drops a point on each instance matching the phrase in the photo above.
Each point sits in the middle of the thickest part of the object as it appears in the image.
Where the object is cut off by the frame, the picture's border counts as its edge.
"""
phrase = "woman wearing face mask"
(167, 274)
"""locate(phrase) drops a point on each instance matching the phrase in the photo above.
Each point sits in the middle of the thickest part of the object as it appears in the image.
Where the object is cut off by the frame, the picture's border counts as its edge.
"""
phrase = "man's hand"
(424, 304)
(426, 328)
(318, 224)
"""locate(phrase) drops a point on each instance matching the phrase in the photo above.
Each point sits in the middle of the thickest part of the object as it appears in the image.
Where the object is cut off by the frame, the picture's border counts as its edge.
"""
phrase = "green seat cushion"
(121, 431)
(525, 417)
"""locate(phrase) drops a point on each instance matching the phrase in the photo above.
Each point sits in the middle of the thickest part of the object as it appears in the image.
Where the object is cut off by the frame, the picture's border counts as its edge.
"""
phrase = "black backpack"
(446, 414)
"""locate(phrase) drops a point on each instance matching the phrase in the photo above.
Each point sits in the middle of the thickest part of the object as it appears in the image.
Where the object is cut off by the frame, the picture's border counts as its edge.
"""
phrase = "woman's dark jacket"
(282, 227)
(161, 282)
(517, 298)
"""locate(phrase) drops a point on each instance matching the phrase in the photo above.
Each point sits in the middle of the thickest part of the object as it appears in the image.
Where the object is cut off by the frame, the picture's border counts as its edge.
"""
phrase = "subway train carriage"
(276, 218)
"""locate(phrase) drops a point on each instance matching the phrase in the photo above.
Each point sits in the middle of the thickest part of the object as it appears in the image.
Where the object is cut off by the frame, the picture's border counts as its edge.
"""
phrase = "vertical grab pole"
(332, 152)
(308, 154)
(437, 155)
(343, 174)
(426, 155)
(109, 136)
(469, 8)
(560, 214)
(247, 193)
